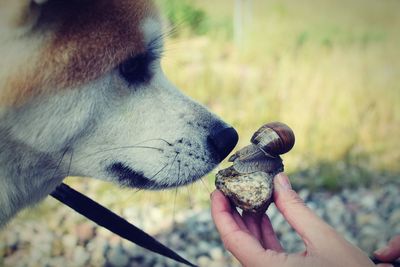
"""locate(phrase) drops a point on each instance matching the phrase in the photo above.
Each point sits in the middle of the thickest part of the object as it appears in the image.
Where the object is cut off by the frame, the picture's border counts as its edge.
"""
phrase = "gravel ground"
(366, 217)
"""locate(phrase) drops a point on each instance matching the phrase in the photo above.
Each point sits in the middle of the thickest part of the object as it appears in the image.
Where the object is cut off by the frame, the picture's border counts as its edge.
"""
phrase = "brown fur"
(90, 38)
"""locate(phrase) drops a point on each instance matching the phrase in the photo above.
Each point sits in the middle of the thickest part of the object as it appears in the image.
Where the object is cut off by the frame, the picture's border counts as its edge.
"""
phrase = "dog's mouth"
(130, 178)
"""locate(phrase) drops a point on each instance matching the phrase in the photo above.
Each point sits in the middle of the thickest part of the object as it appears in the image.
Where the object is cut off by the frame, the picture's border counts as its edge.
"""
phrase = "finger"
(269, 237)
(303, 220)
(238, 219)
(222, 210)
(240, 243)
(253, 224)
(236, 216)
(391, 252)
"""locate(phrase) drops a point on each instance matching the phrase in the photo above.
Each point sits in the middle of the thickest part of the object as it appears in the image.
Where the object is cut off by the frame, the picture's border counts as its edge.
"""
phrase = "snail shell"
(274, 138)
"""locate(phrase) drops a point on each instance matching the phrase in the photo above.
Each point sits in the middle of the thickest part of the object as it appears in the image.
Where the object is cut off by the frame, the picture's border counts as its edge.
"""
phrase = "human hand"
(252, 240)
(390, 253)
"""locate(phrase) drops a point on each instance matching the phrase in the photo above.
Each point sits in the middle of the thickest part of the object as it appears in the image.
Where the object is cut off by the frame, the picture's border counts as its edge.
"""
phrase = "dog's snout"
(224, 139)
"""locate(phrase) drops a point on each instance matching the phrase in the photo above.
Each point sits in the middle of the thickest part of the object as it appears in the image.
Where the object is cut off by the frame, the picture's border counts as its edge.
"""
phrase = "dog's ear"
(19, 15)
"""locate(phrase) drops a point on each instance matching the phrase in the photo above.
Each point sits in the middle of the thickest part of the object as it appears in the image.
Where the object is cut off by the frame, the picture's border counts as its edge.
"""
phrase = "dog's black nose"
(223, 139)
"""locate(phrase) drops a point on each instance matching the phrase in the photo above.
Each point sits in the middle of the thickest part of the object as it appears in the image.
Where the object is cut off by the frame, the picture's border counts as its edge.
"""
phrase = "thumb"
(303, 220)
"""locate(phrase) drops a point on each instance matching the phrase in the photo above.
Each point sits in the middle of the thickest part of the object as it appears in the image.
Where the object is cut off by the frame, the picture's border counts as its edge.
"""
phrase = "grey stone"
(368, 202)
(203, 261)
(80, 257)
(116, 257)
(304, 194)
(85, 232)
(69, 241)
(203, 246)
(248, 191)
(216, 253)
(394, 219)
(191, 251)
(175, 240)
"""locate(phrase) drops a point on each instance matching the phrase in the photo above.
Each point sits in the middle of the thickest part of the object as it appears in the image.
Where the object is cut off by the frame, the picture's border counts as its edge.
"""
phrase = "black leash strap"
(111, 221)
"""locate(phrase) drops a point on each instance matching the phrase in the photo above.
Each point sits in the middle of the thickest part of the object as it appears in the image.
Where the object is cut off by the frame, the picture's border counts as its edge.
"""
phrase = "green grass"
(329, 69)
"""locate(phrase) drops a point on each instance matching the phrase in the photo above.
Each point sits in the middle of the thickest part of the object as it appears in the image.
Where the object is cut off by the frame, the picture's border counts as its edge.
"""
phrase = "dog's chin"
(127, 177)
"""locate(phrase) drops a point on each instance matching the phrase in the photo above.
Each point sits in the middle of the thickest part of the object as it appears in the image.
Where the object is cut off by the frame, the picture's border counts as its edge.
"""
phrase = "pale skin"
(252, 239)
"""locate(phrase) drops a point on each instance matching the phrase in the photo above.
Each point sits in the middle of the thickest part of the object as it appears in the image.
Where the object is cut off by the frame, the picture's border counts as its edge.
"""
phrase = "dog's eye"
(136, 70)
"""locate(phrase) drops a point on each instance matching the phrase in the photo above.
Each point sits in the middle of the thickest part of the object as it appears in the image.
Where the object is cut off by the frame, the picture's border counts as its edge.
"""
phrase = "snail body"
(248, 183)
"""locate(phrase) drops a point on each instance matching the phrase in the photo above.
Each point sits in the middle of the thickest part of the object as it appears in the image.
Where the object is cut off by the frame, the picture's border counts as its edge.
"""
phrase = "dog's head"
(84, 77)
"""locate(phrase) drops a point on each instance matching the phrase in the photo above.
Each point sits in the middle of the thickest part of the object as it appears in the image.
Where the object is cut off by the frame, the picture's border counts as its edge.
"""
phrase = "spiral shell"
(274, 138)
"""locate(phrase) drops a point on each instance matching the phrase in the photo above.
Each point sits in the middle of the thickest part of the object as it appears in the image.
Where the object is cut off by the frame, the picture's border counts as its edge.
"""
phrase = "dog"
(82, 93)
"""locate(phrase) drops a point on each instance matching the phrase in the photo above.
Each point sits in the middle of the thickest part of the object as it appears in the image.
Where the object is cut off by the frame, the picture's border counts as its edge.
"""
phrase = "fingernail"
(283, 181)
(382, 251)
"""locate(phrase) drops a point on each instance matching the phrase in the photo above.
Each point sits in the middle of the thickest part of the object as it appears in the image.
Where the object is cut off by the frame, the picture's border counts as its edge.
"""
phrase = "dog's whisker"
(189, 195)
(173, 211)
(137, 145)
(179, 171)
(70, 163)
(157, 173)
(132, 193)
(205, 185)
(173, 29)
(154, 186)
(124, 147)
(167, 32)
(154, 139)
(172, 164)
(59, 163)
(202, 180)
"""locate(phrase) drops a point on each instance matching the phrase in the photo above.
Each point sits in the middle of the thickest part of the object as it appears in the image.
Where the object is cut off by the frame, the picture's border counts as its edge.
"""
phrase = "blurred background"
(329, 69)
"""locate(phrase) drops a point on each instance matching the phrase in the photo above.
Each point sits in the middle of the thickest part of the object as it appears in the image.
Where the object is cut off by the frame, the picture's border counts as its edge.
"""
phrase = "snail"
(248, 183)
